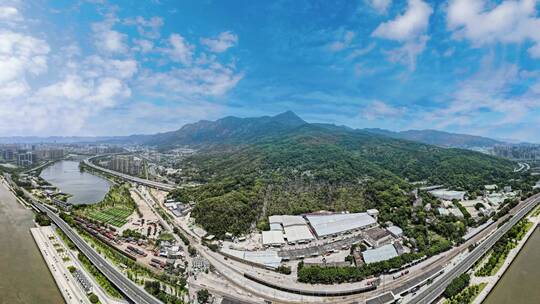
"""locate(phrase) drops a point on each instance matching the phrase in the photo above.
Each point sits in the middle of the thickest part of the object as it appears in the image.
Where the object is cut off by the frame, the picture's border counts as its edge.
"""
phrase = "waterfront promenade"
(69, 288)
(492, 280)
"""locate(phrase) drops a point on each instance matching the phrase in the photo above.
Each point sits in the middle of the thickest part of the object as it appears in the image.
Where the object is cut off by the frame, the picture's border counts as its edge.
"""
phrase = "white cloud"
(108, 40)
(222, 42)
(149, 28)
(87, 85)
(97, 66)
(143, 45)
(381, 6)
(361, 51)
(409, 51)
(408, 28)
(343, 43)
(507, 22)
(378, 109)
(180, 50)
(534, 51)
(190, 83)
(486, 100)
(9, 13)
(78, 87)
(21, 56)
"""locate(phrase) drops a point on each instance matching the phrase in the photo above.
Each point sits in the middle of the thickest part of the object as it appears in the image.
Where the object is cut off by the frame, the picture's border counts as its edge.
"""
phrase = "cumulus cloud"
(148, 28)
(21, 56)
(87, 84)
(378, 109)
(143, 45)
(179, 49)
(507, 22)
(9, 14)
(488, 93)
(381, 6)
(221, 43)
(343, 43)
(83, 85)
(408, 28)
(188, 83)
(108, 40)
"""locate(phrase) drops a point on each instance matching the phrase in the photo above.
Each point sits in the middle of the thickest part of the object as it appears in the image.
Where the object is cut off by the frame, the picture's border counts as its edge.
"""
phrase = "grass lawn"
(114, 209)
(115, 216)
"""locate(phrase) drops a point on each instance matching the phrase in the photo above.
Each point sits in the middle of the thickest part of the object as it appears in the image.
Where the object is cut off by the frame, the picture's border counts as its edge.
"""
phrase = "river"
(24, 277)
(519, 284)
(84, 187)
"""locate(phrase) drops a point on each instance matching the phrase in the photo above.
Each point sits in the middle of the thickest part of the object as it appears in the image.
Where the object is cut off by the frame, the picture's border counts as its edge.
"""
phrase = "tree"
(457, 285)
(93, 298)
(192, 251)
(203, 296)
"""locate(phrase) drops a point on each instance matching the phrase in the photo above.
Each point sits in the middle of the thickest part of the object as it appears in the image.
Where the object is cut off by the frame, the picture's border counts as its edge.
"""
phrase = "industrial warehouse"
(295, 229)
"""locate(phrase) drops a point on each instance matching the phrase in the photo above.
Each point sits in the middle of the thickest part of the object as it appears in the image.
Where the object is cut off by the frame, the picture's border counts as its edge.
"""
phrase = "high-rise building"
(126, 164)
(25, 158)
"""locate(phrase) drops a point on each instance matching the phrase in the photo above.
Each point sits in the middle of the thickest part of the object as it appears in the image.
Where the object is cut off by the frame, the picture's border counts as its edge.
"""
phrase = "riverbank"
(492, 281)
(25, 278)
(55, 259)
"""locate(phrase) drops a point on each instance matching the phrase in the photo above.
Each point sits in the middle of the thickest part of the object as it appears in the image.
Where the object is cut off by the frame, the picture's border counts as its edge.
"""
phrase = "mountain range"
(248, 168)
(234, 130)
(441, 138)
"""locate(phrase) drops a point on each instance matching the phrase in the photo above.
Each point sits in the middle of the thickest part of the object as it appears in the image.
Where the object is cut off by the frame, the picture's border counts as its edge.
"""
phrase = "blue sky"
(124, 67)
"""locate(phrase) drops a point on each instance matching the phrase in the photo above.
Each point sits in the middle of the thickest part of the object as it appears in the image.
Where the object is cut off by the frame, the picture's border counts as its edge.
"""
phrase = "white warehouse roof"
(395, 231)
(298, 233)
(383, 253)
(275, 226)
(272, 238)
(448, 195)
(338, 223)
(267, 257)
(275, 219)
(286, 220)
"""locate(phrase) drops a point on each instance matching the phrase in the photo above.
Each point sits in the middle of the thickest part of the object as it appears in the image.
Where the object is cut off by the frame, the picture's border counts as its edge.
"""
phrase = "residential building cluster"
(24, 155)
(127, 164)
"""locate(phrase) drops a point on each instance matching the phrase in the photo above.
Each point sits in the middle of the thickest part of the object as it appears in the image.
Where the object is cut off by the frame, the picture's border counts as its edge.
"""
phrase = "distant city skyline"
(105, 68)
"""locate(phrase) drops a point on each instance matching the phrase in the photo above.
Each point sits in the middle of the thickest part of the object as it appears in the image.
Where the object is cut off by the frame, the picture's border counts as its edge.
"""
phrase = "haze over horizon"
(97, 68)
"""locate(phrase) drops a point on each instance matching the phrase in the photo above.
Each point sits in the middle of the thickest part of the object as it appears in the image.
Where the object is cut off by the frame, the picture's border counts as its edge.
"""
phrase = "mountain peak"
(289, 118)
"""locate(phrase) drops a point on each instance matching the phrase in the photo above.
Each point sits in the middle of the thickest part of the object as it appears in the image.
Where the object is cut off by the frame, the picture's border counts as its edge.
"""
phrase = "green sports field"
(114, 209)
(115, 216)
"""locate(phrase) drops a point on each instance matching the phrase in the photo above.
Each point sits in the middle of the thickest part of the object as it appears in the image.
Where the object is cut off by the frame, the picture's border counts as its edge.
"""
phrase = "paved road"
(70, 289)
(132, 291)
(142, 181)
(427, 296)
(438, 287)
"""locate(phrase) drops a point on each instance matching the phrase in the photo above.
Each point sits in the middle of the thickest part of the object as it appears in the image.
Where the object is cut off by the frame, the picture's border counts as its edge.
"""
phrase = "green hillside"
(313, 167)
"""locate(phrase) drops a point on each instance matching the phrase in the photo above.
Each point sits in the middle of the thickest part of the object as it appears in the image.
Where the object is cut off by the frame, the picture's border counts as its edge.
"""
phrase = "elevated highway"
(132, 291)
(435, 290)
(141, 181)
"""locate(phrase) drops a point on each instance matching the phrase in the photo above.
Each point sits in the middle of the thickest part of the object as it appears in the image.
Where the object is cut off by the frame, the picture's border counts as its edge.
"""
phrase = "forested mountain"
(441, 138)
(309, 167)
(228, 130)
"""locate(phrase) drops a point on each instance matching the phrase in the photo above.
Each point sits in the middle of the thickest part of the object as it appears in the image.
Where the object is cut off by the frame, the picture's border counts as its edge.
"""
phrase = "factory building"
(382, 253)
(448, 195)
(336, 224)
(295, 228)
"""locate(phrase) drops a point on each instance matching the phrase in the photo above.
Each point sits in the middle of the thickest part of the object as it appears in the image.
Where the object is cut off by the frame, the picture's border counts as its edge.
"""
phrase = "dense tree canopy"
(320, 167)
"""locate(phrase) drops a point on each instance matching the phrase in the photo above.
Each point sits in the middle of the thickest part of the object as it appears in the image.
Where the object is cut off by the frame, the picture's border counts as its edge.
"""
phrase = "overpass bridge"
(138, 180)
